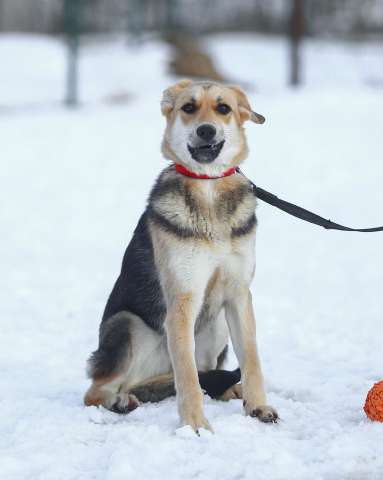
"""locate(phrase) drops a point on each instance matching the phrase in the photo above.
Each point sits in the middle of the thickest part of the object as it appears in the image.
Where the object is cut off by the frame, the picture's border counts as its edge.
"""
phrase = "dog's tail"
(213, 382)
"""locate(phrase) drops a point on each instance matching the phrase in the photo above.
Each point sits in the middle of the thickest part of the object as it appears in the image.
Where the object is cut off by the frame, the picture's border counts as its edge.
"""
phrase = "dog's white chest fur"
(206, 229)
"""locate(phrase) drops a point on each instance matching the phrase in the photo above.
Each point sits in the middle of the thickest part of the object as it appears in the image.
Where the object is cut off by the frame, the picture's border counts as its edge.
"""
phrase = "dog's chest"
(211, 212)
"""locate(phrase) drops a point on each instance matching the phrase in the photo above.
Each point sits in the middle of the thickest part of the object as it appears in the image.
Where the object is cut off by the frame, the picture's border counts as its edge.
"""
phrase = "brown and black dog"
(185, 277)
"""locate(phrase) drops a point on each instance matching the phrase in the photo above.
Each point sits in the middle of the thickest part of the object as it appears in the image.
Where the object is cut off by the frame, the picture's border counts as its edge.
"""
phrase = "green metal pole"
(135, 19)
(2, 9)
(71, 98)
(72, 25)
(171, 16)
(296, 34)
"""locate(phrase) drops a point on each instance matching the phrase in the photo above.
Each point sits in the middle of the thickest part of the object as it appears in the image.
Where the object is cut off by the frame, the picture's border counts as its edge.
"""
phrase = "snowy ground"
(73, 185)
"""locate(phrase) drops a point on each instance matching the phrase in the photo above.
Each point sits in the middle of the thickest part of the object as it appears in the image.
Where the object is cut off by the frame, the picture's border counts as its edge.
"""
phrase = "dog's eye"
(223, 108)
(189, 107)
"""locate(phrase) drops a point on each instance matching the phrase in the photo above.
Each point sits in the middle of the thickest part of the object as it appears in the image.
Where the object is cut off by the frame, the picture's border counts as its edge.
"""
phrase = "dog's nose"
(206, 132)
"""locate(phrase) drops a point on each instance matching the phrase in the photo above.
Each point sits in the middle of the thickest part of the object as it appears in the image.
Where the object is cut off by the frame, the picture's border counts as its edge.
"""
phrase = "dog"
(185, 276)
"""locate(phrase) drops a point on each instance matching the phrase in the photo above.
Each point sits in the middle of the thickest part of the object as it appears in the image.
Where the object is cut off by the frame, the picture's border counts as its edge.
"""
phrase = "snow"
(73, 185)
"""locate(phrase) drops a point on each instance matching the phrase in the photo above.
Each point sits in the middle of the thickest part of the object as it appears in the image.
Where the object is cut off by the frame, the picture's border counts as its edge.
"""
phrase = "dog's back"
(138, 289)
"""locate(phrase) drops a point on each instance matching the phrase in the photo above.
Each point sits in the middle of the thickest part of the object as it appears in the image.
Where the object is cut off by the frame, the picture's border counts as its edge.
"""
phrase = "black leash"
(302, 213)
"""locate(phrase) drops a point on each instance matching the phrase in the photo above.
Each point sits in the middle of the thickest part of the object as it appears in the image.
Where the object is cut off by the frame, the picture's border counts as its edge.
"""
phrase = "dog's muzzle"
(206, 153)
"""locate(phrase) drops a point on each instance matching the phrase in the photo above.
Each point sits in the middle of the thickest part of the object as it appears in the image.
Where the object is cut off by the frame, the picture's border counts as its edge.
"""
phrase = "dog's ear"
(245, 111)
(170, 95)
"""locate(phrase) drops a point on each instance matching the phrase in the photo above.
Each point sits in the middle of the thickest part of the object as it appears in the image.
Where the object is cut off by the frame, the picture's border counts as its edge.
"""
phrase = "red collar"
(181, 169)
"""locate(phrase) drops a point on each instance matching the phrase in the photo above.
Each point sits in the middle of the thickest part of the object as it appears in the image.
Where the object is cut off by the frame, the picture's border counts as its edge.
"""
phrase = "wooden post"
(296, 34)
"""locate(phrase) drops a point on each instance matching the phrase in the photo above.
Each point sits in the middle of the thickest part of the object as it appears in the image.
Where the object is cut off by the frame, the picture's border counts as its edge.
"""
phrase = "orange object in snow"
(374, 403)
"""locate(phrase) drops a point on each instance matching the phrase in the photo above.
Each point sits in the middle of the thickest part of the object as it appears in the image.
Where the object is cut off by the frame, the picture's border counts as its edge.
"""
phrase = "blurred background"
(183, 28)
(80, 135)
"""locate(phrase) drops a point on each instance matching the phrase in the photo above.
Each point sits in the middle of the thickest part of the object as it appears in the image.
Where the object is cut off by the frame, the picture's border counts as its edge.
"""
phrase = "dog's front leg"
(182, 311)
(241, 321)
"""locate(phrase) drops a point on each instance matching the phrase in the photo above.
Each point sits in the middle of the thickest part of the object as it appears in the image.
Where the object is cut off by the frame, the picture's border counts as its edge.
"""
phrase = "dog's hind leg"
(107, 392)
(129, 353)
(132, 366)
(106, 365)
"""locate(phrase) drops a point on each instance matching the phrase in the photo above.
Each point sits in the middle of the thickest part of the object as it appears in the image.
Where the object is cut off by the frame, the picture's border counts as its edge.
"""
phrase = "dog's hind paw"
(125, 403)
(232, 393)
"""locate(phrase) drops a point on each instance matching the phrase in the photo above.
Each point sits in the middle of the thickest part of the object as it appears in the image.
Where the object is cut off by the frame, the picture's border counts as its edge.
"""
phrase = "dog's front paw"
(264, 413)
(196, 420)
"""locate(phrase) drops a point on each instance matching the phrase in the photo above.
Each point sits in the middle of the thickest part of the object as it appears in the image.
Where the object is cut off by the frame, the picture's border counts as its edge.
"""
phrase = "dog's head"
(204, 129)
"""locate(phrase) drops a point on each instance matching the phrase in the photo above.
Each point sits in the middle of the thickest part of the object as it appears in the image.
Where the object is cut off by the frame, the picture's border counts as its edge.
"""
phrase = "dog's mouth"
(206, 153)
